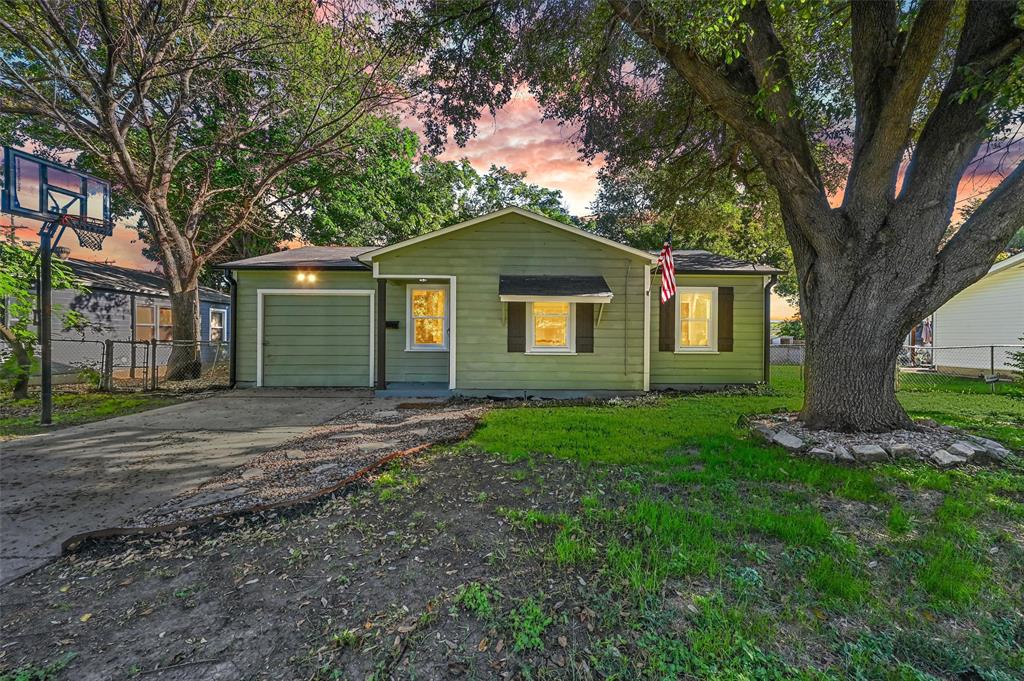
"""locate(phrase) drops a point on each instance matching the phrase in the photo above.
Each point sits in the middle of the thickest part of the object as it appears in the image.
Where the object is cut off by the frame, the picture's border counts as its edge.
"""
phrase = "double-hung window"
(697, 330)
(218, 319)
(550, 327)
(427, 318)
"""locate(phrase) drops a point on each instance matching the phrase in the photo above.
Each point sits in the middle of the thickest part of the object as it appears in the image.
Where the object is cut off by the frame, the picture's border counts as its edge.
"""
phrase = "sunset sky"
(518, 139)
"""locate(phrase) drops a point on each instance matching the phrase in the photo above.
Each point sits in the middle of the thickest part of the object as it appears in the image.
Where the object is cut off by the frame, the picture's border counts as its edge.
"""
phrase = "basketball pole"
(45, 322)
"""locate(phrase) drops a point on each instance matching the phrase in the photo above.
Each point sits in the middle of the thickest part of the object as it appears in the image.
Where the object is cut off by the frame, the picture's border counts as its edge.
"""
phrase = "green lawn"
(892, 572)
(21, 417)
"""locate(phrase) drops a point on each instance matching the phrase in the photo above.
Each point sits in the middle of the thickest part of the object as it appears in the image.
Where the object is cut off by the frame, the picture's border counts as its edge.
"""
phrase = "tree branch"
(890, 69)
(951, 138)
(784, 158)
(970, 253)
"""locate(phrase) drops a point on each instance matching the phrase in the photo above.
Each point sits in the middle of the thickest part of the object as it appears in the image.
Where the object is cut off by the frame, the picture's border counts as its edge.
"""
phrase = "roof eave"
(299, 266)
(757, 273)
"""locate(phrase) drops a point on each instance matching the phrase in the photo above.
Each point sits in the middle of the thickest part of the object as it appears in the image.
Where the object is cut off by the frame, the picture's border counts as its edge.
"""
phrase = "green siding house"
(508, 304)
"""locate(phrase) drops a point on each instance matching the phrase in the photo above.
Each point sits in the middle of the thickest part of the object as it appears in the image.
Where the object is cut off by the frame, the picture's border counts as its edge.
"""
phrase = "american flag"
(668, 273)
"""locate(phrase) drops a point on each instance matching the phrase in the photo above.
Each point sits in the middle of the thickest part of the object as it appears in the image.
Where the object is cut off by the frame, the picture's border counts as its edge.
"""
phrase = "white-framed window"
(218, 324)
(697, 319)
(550, 327)
(153, 320)
(426, 318)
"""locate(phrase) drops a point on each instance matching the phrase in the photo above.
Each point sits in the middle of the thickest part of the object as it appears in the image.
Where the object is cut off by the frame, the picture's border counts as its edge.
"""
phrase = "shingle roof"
(704, 261)
(97, 275)
(552, 285)
(310, 257)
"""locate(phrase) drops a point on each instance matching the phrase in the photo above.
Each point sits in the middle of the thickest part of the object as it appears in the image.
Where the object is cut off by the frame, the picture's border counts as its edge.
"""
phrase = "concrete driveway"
(96, 476)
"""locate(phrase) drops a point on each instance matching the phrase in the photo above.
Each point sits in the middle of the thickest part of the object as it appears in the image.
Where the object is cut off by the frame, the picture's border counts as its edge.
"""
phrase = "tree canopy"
(392, 190)
(197, 110)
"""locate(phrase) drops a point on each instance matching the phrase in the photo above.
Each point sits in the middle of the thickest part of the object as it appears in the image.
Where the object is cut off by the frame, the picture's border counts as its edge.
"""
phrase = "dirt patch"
(361, 582)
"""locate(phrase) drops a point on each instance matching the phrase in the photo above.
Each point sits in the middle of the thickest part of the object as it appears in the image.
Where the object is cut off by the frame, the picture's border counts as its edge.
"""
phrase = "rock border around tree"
(939, 445)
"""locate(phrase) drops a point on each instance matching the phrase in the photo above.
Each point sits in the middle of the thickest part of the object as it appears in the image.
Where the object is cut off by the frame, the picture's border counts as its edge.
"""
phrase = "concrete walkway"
(95, 476)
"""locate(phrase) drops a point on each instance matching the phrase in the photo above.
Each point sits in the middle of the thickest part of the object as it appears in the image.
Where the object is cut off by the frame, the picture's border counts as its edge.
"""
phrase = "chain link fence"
(966, 368)
(126, 366)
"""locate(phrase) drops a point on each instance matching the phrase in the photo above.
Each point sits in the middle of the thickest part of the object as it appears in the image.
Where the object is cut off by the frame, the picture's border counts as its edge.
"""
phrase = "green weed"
(479, 599)
(527, 624)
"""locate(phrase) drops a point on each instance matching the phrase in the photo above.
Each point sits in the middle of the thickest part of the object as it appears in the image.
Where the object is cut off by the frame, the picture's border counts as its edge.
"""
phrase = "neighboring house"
(131, 305)
(988, 313)
(507, 304)
(123, 304)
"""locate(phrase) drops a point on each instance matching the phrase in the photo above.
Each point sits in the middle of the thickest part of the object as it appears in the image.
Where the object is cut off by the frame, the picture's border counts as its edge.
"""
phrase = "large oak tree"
(196, 109)
(892, 100)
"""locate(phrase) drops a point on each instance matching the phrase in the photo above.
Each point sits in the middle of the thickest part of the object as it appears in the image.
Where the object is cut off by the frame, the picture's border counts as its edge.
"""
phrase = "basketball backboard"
(35, 187)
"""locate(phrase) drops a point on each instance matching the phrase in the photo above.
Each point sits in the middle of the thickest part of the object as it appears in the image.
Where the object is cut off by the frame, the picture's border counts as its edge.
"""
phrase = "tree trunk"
(184, 361)
(850, 382)
(857, 309)
(23, 358)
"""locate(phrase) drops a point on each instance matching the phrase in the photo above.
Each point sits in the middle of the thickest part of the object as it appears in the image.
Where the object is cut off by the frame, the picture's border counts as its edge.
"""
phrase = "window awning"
(572, 288)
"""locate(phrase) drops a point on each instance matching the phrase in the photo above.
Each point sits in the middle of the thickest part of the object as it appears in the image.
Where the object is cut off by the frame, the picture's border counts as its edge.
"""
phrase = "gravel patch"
(943, 446)
(321, 459)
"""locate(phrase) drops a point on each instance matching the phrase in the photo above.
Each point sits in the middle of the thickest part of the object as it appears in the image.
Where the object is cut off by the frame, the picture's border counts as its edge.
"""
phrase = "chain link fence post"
(153, 371)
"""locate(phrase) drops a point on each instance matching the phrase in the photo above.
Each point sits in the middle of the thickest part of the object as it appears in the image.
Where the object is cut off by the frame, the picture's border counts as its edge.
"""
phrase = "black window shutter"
(585, 327)
(516, 327)
(667, 325)
(725, 305)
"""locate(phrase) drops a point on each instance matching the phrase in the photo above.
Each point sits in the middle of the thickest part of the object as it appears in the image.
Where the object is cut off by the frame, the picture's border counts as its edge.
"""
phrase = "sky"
(519, 139)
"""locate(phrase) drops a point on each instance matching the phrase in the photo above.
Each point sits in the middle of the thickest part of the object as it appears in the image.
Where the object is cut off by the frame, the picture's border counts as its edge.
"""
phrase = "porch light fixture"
(423, 281)
(301, 276)
(308, 277)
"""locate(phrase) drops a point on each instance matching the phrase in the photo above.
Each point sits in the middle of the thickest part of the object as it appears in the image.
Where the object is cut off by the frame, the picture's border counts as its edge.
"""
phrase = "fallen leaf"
(563, 641)
(86, 617)
(499, 646)
(483, 645)
(64, 589)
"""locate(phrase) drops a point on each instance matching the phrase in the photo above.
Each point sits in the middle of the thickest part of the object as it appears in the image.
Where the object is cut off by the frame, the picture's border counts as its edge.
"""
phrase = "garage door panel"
(316, 340)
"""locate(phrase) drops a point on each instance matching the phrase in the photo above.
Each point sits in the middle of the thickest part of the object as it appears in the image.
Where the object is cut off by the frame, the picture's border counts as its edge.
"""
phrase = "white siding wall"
(989, 312)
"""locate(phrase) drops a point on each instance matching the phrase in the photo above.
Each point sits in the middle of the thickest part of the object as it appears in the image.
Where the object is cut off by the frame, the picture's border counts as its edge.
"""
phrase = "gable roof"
(309, 257)
(522, 212)
(696, 261)
(97, 275)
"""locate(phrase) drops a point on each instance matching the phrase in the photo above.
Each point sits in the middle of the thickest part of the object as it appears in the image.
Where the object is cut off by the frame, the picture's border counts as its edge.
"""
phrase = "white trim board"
(647, 328)
(264, 292)
(452, 291)
(1008, 262)
(543, 219)
(597, 299)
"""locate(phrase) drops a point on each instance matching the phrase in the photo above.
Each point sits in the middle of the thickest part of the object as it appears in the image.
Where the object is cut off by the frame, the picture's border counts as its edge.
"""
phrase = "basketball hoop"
(60, 197)
(90, 231)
